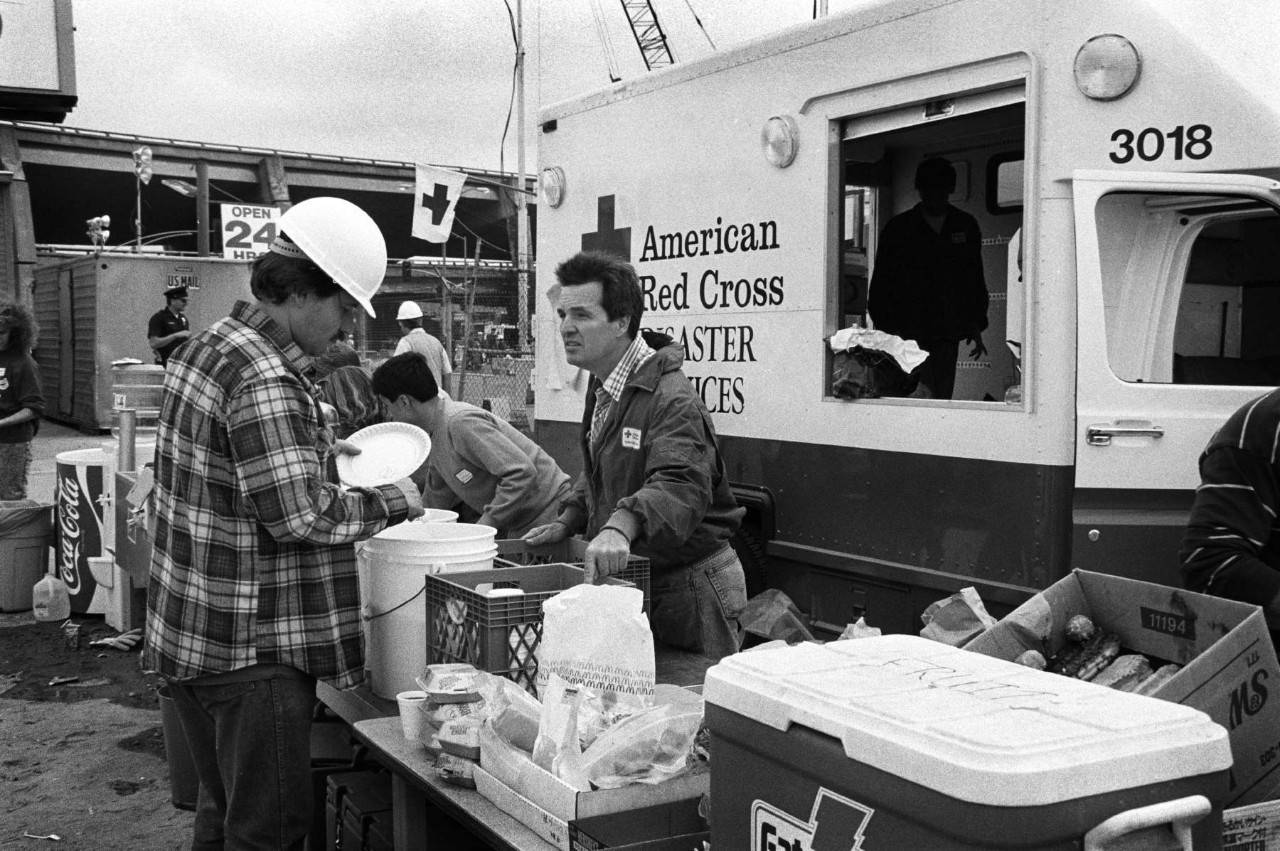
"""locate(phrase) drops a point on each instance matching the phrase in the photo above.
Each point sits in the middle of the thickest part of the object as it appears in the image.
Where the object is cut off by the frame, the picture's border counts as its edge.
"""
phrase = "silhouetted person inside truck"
(927, 284)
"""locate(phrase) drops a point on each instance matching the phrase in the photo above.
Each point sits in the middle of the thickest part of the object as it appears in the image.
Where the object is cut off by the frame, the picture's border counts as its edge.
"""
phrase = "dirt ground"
(82, 760)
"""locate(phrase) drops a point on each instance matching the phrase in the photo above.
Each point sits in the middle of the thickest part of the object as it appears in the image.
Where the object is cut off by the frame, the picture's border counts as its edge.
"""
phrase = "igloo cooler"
(900, 742)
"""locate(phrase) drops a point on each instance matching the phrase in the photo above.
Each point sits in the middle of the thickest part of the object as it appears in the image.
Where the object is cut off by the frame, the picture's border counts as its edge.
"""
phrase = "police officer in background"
(169, 327)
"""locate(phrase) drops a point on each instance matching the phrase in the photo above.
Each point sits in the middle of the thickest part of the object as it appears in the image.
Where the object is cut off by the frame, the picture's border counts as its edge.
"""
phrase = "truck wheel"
(748, 543)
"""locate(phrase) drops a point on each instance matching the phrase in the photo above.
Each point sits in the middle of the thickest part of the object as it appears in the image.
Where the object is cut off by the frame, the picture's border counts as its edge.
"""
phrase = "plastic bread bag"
(650, 746)
(557, 748)
(513, 711)
(456, 770)
(597, 636)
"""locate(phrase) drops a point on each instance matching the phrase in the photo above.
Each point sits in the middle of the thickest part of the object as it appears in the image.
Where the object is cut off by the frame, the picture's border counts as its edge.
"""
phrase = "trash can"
(140, 387)
(26, 531)
(184, 783)
(78, 524)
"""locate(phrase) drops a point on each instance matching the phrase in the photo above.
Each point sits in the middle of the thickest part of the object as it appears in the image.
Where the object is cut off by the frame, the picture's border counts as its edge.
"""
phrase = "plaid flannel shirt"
(253, 560)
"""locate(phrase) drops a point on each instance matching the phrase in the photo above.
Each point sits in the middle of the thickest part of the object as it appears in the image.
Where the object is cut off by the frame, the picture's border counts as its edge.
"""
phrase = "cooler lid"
(969, 726)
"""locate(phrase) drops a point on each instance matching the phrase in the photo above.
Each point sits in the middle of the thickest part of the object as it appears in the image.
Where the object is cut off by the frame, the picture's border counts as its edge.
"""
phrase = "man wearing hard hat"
(415, 339)
(253, 593)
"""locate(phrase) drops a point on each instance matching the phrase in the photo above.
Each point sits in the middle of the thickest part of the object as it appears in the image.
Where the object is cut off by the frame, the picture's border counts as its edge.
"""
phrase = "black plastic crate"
(351, 797)
(495, 634)
(513, 552)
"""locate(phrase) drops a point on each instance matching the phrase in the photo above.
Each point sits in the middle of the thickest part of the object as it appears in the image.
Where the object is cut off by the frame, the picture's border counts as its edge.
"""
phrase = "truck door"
(1178, 296)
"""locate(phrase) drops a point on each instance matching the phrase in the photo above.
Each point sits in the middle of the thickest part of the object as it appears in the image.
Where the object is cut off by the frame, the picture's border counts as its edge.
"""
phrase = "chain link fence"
(474, 311)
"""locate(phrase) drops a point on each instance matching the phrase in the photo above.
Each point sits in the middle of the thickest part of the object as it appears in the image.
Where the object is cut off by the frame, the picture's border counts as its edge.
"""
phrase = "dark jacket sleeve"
(29, 394)
(1224, 548)
(680, 465)
(886, 291)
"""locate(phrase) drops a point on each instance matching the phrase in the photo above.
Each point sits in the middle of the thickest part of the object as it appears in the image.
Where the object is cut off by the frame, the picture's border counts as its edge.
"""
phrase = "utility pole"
(142, 174)
(522, 208)
(202, 208)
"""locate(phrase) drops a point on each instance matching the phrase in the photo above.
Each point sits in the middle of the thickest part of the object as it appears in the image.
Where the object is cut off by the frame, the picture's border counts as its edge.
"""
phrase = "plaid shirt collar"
(637, 353)
(255, 317)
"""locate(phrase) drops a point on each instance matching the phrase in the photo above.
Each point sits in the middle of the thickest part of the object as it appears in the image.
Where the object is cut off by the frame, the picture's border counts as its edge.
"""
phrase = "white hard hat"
(409, 310)
(342, 240)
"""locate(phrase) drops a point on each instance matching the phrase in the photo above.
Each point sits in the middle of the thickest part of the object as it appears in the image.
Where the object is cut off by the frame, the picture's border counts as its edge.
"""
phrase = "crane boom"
(650, 38)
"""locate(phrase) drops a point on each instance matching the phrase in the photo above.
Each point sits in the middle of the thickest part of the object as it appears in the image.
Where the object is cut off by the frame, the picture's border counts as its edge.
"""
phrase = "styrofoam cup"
(411, 719)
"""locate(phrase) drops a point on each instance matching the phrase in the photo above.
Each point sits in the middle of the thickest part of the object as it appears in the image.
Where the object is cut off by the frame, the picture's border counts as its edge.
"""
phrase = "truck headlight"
(1107, 67)
(780, 138)
(551, 182)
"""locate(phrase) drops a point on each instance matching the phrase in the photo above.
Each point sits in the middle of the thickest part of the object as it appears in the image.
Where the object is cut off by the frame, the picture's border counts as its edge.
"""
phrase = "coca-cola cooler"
(78, 524)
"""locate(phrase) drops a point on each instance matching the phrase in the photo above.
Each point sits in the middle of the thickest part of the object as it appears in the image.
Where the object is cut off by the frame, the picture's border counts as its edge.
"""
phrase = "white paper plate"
(389, 452)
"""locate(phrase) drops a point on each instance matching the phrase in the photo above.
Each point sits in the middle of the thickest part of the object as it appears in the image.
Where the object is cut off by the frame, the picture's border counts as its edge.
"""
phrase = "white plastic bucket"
(437, 515)
(393, 568)
(413, 541)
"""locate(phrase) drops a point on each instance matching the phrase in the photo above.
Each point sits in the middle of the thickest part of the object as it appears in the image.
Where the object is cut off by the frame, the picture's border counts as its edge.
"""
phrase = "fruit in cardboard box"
(1079, 629)
(1032, 659)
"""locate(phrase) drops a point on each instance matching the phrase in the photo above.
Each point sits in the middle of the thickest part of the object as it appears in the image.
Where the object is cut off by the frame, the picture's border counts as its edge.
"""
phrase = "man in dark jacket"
(1231, 548)
(927, 284)
(653, 481)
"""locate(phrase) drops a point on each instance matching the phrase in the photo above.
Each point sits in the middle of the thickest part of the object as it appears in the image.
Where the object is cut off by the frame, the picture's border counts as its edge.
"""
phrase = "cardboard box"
(676, 826)
(554, 796)
(552, 829)
(1252, 828)
(1229, 668)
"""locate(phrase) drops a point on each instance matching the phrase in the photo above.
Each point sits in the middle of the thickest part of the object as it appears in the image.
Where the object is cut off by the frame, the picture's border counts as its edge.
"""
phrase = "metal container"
(127, 422)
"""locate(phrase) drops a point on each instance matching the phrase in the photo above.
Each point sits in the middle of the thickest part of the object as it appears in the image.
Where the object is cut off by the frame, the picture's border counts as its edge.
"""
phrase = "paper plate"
(389, 452)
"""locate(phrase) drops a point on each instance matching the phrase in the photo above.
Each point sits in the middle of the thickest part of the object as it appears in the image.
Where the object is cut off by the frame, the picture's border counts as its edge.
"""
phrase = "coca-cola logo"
(69, 526)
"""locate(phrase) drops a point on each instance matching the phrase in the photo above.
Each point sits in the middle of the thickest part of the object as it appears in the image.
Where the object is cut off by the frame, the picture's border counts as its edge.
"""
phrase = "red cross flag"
(435, 200)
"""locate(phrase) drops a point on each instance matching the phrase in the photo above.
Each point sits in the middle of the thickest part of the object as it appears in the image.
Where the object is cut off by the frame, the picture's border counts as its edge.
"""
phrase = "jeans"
(696, 607)
(250, 737)
(15, 462)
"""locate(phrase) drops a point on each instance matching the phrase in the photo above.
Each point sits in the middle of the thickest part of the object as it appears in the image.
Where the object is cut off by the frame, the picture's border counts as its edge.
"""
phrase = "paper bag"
(956, 619)
(771, 615)
(597, 636)
(867, 374)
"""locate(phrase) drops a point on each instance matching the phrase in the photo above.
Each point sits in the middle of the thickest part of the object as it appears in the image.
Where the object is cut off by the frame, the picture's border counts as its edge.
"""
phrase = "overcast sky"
(412, 80)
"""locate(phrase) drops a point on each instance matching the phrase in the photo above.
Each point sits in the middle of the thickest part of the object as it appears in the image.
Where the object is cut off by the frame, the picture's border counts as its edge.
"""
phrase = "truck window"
(1191, 288)
(889, 264)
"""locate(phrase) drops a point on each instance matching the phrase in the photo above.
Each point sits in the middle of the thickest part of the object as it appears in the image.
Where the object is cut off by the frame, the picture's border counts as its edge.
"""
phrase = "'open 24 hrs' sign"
(247, 230)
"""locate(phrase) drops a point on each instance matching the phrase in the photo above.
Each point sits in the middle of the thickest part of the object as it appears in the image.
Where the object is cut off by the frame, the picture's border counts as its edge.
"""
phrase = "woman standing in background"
(21, 403)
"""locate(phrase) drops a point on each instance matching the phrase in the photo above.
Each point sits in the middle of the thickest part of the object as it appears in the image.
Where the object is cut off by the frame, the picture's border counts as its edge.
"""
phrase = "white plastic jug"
(50, 600)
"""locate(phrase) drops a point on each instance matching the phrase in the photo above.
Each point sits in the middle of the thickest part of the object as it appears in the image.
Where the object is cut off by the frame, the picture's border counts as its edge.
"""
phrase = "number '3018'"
(1190, 142)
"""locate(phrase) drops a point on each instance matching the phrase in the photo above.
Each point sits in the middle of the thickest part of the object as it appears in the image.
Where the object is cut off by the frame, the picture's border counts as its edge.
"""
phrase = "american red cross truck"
(1122, 161)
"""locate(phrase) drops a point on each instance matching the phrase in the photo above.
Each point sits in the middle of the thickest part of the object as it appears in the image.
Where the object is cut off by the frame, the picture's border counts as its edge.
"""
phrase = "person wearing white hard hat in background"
(415, 339)
(253, 593)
